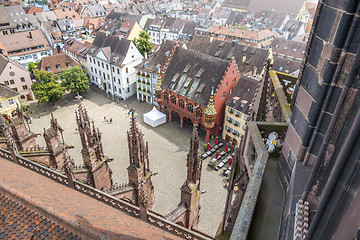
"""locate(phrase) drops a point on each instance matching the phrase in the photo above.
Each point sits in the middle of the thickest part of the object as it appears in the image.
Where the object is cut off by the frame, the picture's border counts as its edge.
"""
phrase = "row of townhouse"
(169, 28)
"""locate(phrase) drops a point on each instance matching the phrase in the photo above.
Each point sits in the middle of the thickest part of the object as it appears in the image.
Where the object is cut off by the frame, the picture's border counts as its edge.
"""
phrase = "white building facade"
(114, 72)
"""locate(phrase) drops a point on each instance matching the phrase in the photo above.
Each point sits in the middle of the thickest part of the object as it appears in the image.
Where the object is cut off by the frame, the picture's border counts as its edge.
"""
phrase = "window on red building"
(182, 104)
(190, 108)
(198, 112)
(166, 96)
(173, 99)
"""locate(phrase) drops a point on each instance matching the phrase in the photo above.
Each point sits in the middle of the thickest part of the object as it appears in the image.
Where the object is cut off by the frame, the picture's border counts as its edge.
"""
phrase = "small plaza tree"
(46, 88)
(31, 67)
(75, 80)
(143, 43)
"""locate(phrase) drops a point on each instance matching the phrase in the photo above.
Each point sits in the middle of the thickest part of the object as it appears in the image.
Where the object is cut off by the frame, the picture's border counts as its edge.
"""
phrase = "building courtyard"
(168, 148)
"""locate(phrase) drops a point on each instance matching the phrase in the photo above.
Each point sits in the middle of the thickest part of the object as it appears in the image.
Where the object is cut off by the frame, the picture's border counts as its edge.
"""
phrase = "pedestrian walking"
(105, 119)
(110, 120)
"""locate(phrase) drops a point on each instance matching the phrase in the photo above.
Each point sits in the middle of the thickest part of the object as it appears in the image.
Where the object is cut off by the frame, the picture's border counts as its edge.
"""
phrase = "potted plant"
(139, 89)
(147, 75)
(143, 74)
(236, 124)
(148, 91)
(143, 81)
(228, 130)
(138, 73)
(237, 115)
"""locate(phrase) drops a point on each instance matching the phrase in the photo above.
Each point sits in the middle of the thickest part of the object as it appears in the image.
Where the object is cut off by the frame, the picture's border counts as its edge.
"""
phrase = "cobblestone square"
(168, 147)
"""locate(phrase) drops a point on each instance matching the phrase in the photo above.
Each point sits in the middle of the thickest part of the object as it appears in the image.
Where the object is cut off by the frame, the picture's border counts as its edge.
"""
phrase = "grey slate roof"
(288, 48)
(247, 58)
(243, 94)
(286, 65)
(118, 47)
(159, 57)
(182, 75)
(7, 92)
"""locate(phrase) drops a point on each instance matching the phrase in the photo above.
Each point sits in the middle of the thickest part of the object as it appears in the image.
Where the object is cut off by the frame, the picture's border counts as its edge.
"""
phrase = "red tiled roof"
(34, 10)
(57, 63)
(66, 211)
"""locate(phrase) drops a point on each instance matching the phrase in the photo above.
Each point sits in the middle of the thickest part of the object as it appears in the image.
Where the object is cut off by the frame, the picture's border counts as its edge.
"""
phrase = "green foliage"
(205, 145)
(213, 164)
(31, 67)
(46, 88)
(143, 43)
(75, 80)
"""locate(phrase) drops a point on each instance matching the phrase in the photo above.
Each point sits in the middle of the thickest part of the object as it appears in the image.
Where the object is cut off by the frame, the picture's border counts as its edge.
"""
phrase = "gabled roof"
(4, 60)
(119, 48)
(67, 13)
(247, 58)
(34, 10)
(158, 58)
(288, 48)
(182, 75)
(243, 94)
(6, 92)
(57, 63)
(22, 40)
(286, 66)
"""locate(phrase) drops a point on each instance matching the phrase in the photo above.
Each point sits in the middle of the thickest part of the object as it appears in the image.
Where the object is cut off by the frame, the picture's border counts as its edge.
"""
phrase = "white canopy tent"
(154, 118)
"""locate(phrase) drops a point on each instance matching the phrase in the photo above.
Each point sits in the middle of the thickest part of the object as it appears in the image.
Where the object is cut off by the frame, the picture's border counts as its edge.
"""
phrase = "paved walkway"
(168, 147)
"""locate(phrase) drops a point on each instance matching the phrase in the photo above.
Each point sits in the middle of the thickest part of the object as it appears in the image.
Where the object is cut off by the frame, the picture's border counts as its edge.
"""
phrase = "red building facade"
(196, 86)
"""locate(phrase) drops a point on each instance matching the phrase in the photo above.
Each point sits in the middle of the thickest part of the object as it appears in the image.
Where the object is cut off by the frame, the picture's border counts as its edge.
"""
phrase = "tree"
(143, 43)
(75, 80)
(31, 67)
(46, 88)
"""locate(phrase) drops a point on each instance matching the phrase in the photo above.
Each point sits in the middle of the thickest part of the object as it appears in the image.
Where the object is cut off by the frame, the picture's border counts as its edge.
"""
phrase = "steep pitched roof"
(286, 65)
(247, 58)
(21, 40)
(119, 48)
(158, 58)
(4, 60)
(7, 92)
(243, 94)
(49, 208)
(57, 63)
(288, 48)
(182, 75)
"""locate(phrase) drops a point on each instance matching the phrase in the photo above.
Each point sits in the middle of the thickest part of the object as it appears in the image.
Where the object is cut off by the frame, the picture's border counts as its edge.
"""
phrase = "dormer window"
(48, 68)
(68, 64)
(58, 65)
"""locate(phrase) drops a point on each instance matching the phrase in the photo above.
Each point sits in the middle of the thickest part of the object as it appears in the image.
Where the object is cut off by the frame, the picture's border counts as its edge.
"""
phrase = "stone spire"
(139, 171)
(143, 197)
(90, 142)
(137, 149)
(68, 168)
(10, 142)
(56, 126)
(210, 111)
(193, 160)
